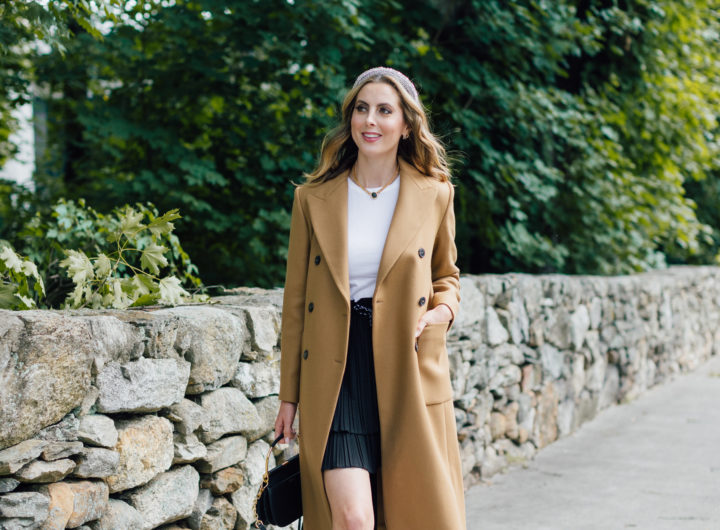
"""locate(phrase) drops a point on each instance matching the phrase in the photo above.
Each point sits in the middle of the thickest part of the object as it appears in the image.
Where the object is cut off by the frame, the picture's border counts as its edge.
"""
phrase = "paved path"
(652, 464)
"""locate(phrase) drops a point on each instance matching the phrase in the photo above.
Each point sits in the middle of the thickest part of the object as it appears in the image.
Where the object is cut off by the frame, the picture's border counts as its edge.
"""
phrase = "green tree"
(576, 126)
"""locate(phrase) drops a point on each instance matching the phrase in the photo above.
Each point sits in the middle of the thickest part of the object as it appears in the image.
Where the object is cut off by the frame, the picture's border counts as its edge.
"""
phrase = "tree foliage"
(584, 132)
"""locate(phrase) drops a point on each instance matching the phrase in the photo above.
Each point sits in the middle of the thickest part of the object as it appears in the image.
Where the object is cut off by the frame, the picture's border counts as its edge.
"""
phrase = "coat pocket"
(433, 363)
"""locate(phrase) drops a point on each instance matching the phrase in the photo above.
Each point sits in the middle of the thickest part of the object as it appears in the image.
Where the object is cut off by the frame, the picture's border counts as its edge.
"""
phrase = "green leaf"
(103, 266)
(171, 292)
(11, 259)
(8, 299)
(153, 258)
(79, 267)
(162, 225)
(131, 222)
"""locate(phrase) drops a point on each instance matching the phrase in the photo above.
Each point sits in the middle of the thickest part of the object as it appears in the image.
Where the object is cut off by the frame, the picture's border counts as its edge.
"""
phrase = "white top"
(368, 225)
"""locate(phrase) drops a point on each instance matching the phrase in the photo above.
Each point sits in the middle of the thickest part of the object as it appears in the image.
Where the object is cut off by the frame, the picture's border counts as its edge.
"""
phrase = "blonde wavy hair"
(422, 148)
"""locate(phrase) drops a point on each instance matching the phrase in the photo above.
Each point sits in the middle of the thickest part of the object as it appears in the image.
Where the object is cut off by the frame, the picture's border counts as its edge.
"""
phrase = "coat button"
(416, 348)
(421, 252)
(421, 302)
(317, 259)
(305, 354)
(311, 306)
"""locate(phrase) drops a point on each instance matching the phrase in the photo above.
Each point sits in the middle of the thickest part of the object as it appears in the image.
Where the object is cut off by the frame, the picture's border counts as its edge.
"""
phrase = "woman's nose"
(370, 119)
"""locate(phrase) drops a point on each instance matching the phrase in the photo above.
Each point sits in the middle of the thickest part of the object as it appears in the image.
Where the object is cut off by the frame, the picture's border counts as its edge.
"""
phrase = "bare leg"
(350, 496)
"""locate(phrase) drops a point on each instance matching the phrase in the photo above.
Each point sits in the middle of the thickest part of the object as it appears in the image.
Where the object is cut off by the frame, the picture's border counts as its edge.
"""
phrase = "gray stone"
(145, 446)
(97, 463)
(506, 376)
(595, 312)
(97, 429)
(211, 339)
(219, 516)
(187, 448)
(552, 360)
(30, 508)
(46, 362)
(119, 515)
(257, 379)
(506, 354)
(611, 387)
(202, 504)
(492, 463)
(145, 385)
(226, 410)
(63, 431)
(112, 339)
(267, 408)
(495, 331)
(223, 453)
(168, 497)
(186, 415)
(566, 412)
(579, 325)
(264, 328)
(472, 305)
(536, 335)
(58, 450)
(8, 484)
(88, 402)
(15, 457)
(577, 374)
(559, 330)
(40, 471)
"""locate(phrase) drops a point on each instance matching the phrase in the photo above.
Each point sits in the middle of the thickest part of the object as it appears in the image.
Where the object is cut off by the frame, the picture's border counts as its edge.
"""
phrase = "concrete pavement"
(653, 463)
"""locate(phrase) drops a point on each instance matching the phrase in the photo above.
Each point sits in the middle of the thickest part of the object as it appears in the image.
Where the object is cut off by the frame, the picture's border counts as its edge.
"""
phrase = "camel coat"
(420, 481)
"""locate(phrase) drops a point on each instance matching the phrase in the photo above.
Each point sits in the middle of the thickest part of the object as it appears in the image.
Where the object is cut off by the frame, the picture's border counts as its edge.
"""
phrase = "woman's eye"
(385, 111)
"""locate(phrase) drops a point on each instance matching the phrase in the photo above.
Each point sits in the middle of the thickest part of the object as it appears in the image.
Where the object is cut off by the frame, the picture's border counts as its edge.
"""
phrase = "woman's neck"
(375, 172)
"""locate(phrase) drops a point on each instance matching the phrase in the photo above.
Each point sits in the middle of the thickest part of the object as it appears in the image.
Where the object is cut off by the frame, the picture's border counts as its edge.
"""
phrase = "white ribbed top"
(368, 225)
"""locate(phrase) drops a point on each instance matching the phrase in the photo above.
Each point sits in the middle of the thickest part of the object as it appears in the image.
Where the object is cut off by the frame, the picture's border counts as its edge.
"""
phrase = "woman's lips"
(371, 137)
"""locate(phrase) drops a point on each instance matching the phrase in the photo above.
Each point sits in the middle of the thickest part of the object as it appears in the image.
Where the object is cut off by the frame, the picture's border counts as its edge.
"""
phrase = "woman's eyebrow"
(366, 103)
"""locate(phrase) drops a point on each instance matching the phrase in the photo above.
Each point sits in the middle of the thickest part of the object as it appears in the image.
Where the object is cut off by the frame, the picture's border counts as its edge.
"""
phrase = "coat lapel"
(328, 213)
(414, 201)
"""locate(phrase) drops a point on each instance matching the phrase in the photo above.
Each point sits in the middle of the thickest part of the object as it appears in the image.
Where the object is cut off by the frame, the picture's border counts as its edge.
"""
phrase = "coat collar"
(328, 209)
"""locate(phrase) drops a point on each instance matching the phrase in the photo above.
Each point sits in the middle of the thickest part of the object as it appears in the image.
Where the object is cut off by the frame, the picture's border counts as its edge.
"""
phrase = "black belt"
(360, 307)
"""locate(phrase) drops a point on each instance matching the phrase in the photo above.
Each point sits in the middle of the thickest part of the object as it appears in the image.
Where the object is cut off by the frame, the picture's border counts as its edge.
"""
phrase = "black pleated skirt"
(354, 439)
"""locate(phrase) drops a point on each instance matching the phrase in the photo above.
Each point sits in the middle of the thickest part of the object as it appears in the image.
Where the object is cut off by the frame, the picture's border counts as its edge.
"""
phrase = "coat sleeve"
(445, 274)
(293, 309)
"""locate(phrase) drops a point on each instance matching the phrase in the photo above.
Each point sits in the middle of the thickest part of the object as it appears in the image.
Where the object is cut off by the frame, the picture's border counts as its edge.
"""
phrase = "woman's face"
(377, 121)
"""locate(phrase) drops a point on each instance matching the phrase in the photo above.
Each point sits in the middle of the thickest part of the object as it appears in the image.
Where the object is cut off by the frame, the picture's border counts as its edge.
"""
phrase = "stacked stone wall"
(150, 418)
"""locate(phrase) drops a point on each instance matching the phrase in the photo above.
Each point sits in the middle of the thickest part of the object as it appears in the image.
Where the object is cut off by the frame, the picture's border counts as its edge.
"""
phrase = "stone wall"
(144, 418)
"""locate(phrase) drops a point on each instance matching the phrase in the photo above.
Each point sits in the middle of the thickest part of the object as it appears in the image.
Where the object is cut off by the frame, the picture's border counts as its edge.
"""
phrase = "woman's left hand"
(441, 313)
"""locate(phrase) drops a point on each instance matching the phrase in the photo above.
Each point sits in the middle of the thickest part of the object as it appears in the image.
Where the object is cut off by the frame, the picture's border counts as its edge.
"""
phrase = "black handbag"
(279, 500)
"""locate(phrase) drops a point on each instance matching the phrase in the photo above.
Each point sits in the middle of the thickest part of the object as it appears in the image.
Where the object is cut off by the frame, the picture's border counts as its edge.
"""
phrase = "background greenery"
(584, 133)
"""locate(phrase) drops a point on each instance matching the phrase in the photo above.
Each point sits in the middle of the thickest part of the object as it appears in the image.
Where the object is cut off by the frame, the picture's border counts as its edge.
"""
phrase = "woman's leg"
(350, 496)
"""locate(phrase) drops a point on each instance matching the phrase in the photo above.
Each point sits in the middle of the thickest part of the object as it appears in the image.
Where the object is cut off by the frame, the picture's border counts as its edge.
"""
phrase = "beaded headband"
(390, 72)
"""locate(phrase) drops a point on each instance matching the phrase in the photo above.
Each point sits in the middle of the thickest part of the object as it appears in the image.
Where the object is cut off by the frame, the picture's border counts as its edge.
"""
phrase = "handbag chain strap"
(266, 477)
(258, 522)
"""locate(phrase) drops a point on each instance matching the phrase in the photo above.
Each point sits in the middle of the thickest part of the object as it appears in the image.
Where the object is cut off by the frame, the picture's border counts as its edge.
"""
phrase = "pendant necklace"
(372, 194)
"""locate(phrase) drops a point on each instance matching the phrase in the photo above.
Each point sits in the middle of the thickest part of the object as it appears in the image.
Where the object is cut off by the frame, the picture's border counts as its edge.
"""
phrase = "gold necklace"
(373, 194)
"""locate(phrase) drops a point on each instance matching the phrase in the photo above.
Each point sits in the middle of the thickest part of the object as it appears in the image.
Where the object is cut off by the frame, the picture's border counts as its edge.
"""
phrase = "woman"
(371, 289)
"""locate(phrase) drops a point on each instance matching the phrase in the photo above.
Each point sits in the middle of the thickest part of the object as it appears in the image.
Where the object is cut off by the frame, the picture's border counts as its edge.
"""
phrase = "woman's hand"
(284, 421)
(441, 313)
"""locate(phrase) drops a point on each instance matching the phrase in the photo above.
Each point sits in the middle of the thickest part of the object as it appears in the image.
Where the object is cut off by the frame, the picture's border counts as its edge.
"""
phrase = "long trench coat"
(420, 480)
